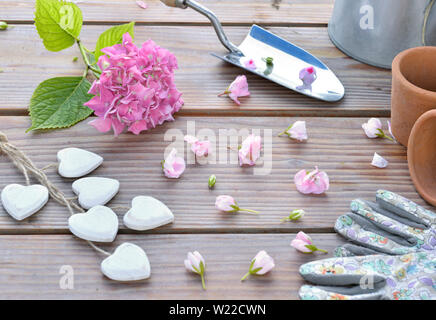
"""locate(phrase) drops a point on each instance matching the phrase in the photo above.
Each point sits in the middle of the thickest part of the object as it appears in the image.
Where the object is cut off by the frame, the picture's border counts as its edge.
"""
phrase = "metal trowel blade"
(288, 61)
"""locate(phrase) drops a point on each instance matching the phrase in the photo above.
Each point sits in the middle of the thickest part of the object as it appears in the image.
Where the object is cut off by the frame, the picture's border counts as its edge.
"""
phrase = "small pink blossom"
(173, 166)
(250, 150)
(200, 148)
(315, 182)
(297, 131)
(304, 243)
(373, 128)
(378, 161)
(228, 204)
(261, 264)
(141, 4)
(308, 76)
(195, 263)
(238, 88)
(250, 64)
(136, 88)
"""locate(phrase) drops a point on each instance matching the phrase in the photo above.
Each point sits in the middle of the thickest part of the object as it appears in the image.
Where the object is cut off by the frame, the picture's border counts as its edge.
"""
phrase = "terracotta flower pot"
(413, 89)
(421, 155)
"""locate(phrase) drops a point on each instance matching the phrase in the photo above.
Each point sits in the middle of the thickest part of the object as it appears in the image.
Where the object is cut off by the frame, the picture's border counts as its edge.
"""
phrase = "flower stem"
(245, 276)
(321, 250)
(248, 210)
(85, 58)
(202, 282)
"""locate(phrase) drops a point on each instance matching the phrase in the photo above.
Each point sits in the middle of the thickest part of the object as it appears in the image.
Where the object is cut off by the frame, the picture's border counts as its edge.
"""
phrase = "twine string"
(26, 166)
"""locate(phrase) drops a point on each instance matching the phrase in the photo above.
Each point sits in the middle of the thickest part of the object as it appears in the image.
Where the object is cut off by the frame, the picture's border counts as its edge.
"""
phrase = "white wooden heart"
(23, 201)
(75, 162)
(97, 224)
(147, 213)
(94, 191)
(128, 263)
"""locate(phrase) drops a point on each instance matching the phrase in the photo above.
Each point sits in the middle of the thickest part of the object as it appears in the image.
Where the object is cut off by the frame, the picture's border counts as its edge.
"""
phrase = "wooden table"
(33, 251)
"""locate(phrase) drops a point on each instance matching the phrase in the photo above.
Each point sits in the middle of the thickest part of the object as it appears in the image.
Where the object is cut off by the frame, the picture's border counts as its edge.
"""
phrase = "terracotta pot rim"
(402, 78)
(429, 115)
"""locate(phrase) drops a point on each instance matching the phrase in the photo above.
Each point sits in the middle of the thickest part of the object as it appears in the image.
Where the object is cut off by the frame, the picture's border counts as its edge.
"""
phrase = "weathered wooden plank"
(229, 12)
(201, 77)
(336, 145)
(31, 264)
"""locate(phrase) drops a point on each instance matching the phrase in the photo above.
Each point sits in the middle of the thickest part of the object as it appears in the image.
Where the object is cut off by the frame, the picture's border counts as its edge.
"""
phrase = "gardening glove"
(394, 225)
(374, 277)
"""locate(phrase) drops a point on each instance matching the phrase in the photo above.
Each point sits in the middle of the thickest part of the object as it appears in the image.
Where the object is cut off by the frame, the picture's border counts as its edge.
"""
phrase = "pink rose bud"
(303, 243)
(250, 150)
(315, 182)
(173, 166)
(200, 148)
(261, 264)
(296, 131)
(228, 204)
(238, 88)
(196, 264)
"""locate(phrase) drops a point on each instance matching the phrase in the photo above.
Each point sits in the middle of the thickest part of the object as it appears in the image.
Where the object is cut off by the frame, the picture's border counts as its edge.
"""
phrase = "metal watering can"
(375, 31)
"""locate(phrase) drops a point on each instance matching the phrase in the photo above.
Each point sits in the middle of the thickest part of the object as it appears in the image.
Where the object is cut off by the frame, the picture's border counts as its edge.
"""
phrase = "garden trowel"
(273, 58)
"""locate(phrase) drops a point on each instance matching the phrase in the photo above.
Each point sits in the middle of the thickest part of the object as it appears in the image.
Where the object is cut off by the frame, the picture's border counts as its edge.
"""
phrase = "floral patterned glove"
(394, 225)
(407, 277)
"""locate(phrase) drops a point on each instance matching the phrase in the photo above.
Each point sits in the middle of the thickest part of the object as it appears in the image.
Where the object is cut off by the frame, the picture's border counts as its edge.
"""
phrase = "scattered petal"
(141, 4)
(378, 161)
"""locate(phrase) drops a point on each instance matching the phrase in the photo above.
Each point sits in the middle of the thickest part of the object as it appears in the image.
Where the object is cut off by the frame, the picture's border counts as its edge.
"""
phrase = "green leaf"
(58, 103)
(58, 23)
(112, 36)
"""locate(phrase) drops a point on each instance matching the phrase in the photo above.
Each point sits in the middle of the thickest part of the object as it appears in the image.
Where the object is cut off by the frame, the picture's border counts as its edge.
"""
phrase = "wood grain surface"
(290, 12)
(336, 145)
(201, 77)
(31, 264)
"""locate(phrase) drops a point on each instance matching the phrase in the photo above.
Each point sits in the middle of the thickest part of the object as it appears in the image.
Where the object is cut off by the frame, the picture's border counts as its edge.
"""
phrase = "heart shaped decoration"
(128, 263)
(98, 224)
(95, 191)
(23, 201)
(147, 213)
(75, 162)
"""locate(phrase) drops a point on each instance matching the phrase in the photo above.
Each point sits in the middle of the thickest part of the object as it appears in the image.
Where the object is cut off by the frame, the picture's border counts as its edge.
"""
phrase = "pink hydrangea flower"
(250, 64)
(200, 148)
(304, 243)
(250, 150)
(315, 182)
(296, 131)
(173, 166)
(136, 88)
(261, 264)
(238, 88)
